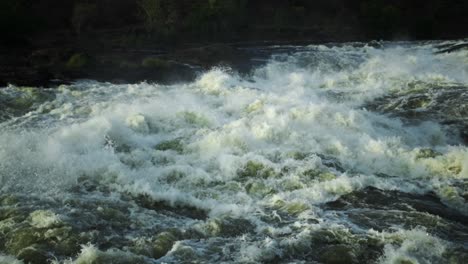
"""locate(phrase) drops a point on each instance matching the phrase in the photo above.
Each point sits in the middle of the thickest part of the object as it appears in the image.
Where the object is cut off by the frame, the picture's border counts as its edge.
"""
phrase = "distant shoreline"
(154, 40)
(50, 66)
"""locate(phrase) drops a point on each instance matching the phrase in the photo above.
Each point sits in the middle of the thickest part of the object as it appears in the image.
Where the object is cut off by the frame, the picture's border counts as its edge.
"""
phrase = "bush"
(77, 61)
(154, 63)
(215, 17)
(153, 13)
(83, 16)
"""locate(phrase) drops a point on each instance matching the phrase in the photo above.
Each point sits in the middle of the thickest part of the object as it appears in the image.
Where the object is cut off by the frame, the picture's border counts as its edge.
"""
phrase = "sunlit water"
(322, 154)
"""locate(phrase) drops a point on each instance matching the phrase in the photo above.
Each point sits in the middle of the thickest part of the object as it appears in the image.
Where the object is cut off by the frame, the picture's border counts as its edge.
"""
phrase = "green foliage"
(152, 62)
(153, 14)
(161, 17)
(207, 20)
(77, 61)
(202, 17)
(216, 17)
(83, 16)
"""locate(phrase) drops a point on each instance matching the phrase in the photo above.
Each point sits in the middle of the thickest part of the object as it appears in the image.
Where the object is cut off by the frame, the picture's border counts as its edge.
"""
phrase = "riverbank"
(53, 62)
(44, 43)
(50, 66)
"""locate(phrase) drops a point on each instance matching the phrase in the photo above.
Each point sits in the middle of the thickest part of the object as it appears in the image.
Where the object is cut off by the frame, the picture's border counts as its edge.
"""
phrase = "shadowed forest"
(55, 39)
(230, 20)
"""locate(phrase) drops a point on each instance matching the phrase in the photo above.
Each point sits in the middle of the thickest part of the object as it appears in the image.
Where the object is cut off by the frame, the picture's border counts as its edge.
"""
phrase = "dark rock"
(464, 134)
(452, 48)
(182, 210)
(163, 242)
(230, 227)
(373, 198)
(338, 254)
(33, 255)
(443, 104)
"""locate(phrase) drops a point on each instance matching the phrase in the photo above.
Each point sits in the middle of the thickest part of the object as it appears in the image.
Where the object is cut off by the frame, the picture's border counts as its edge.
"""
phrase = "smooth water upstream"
(323, 154)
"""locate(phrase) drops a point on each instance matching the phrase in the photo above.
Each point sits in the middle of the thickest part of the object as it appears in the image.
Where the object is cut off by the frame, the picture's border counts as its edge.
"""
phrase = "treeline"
(238, 19)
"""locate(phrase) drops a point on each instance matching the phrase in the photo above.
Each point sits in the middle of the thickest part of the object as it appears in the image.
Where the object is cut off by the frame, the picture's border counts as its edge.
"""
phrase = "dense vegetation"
(103, 39)
(208, 20)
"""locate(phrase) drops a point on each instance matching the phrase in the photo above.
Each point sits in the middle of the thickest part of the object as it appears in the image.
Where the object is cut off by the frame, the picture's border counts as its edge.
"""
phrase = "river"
(334, 153)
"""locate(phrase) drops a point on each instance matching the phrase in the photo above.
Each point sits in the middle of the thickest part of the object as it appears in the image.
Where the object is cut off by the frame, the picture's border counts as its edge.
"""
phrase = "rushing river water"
(351, 153)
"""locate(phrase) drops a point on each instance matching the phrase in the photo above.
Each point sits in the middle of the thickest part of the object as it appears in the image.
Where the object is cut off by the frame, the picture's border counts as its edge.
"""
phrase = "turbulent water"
(351, 153)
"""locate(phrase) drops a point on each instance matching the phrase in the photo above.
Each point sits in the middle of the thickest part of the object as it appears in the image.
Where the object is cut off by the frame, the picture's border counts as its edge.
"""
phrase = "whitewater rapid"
(245, 168)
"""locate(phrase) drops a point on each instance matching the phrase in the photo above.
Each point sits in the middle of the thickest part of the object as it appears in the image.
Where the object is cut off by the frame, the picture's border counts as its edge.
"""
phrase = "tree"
(83, 15)
(153, 13)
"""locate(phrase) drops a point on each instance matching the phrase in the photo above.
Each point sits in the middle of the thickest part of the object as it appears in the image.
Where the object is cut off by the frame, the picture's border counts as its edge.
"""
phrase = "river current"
(337, 153)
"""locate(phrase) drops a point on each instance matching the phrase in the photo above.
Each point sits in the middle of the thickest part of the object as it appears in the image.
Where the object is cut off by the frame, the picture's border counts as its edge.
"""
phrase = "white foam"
(44, 219)
(9, 260)
(415, 246)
